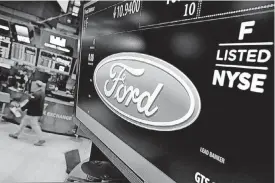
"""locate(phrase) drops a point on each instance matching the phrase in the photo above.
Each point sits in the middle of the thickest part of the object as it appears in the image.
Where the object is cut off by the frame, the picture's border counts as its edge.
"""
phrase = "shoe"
(40, 143)
(13, 136)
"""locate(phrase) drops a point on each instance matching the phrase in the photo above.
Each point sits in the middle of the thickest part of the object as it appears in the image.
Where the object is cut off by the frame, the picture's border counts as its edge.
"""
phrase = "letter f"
(245, 30)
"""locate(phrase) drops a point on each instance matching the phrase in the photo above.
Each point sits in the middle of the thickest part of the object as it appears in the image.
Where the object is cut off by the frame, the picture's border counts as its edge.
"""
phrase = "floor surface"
(21, 161)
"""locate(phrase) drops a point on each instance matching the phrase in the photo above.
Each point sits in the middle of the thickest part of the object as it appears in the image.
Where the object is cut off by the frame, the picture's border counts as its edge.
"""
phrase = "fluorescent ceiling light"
(4, 27)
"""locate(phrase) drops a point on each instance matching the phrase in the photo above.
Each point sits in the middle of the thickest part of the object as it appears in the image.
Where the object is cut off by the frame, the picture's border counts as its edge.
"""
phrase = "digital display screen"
(55, 62)
(62, 68)
(22, 33)
(187, 85)
(6, 45)
(4, 28)
(22, 30)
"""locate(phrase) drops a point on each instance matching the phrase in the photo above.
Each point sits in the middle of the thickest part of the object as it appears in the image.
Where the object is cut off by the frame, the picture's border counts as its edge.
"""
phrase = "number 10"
(190, 10)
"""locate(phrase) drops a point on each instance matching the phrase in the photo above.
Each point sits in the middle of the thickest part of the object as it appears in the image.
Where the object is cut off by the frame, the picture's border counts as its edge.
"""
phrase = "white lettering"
(246, 80)
(251, 57)
(218, 78)
(241, 54)
(218, 56)
(244, 55)
(23, 39)
(133, 93)
(256, 82)
(216, 157)
(245, 30)
(91, 57)
(58, 41)
(232, 78)
(232, 55)
(260, 56)
(245, 84)
(204, 151)
(63, 49)
(199, 178)
(89, 10)
(59, 116)
(50, 45)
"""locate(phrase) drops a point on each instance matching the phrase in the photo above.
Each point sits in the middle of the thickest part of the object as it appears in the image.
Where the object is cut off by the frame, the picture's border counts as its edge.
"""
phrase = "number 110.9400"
(127, 9)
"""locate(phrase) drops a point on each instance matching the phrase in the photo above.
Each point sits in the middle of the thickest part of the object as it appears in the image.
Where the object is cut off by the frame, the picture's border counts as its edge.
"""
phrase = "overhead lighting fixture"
(4, 27)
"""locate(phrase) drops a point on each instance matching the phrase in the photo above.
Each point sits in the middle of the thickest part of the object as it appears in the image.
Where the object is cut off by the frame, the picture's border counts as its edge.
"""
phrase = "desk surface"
(54, 100)
(4, 97)
(62, 94)
(13, 89)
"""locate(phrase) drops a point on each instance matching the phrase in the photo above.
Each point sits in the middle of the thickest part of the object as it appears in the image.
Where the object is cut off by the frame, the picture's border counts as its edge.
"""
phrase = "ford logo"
(147, 91)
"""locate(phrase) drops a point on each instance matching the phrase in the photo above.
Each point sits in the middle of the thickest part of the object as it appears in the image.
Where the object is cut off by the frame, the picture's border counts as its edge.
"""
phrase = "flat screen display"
(188, 85)
(4, 28)
(4, 44)
(22, 33)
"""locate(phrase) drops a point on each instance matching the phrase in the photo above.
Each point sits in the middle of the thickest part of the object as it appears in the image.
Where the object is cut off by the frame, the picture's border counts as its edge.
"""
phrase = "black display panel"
(4, 28)
(230, 61)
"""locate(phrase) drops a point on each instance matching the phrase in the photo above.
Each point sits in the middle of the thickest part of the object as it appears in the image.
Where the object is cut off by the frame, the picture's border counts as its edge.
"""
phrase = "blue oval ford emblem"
(147, 91)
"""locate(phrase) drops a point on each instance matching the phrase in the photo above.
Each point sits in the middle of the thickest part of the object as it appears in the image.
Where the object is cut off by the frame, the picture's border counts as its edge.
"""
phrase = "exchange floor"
(21, 161)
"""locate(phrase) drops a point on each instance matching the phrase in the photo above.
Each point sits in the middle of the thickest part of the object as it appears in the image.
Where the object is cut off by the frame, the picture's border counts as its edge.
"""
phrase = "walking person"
(34, 107)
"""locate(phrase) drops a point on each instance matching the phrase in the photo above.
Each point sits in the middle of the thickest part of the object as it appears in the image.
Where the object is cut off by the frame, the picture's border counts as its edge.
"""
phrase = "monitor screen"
(4, 28)
(22, 33)
(62, 68)
(183, 88)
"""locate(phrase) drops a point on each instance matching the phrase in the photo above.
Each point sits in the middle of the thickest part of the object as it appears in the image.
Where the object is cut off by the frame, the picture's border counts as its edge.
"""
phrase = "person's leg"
(36, 127)
(24, 122)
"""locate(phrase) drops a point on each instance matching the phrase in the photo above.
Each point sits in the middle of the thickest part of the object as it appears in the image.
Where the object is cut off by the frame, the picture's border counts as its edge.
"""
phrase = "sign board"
(60, 44)
(145, 72)
(57, 41)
